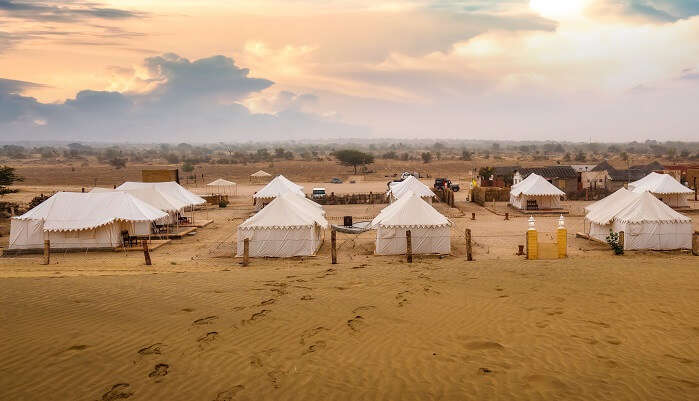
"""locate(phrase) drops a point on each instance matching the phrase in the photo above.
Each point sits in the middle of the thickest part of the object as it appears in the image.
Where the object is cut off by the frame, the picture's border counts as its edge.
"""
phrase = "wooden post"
(47, 253)
(520, 251)
(473, 216)
(469, 246)
(333, 247)
(695, 244)
(621, 239)
(409, 246)
(507, 216)
(246, 251)
(146, 253)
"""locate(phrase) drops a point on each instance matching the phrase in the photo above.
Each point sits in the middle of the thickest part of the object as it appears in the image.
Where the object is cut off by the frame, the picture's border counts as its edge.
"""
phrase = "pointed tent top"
(635, 207)
(410, 210)
(659, 184)
(70, 211)
(222, 183)
(410, 184)
(535, 185)
(278, 186)
(286, 211)
(169, 189)
(260, 173)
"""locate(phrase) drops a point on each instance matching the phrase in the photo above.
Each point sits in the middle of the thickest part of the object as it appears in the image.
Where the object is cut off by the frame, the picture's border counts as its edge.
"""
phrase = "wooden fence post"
(333, 247)
(473, 216)
(409, 246)
(621, 239)
(246, 251)
(695, 244)
(146, 253)
(507, 216)
(469, 246)
(47, 252)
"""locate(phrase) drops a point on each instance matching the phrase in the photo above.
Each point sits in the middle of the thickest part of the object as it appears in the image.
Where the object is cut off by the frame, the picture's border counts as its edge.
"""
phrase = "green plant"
(614, 243)
(222, 203)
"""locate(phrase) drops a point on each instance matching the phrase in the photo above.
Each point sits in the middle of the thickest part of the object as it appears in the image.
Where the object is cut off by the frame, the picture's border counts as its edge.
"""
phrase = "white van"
(318, 193)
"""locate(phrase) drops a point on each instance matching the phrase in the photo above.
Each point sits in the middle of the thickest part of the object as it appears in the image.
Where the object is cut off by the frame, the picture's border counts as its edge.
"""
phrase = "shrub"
(613, 241)
(222, 203)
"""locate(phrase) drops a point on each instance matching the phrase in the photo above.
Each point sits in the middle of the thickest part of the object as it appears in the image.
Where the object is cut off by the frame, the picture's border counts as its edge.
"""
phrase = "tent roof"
(659, 184)
(69, 211)
(261, 173)
(410, 210)
(287, 211)
(221, 182)
(410, 184)
(608, 200)
(278, 186)
(170, 190)
(535, 185)
(637, 208)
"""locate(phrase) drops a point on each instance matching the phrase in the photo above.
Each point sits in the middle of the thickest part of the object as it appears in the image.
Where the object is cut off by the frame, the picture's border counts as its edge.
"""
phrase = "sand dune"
(618, 329)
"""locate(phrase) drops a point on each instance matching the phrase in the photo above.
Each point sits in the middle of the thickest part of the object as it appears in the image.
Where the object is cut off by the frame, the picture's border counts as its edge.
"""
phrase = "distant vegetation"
(354, 153)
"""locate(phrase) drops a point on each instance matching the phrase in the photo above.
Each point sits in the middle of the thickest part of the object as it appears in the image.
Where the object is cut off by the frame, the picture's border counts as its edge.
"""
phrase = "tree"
(187, 167)
(486, 172)
(354, 158)
(117, 162)
(580, 157)
(8, 176)
(426, 157)
(466, 155)
(566, 157)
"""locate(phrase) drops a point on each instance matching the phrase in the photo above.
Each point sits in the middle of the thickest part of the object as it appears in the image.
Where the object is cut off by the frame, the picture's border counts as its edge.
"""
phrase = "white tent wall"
(648, 235)
(543, 202)
(656, 236)
(425, 240)
(30, 234)
(280, 242)
(427, 199)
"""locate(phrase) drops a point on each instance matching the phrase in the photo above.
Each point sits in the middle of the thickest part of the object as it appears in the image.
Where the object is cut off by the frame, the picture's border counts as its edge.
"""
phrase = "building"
(563, 177)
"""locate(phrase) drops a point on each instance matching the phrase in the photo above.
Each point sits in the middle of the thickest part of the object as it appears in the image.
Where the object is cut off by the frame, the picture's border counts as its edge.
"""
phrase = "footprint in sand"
(276, 377)
(542, 324)
(118, 391)
(187, 310)
(612, 340)
(237, 308)
(317, 346)
(310, 333)
(362, 266)
(363, 308)
(355, 323)
(546, 382)
(329, 272)
(402, 300)
(679, 358)
(207, 338)
(483, 346)
(589, 340)
(204, 320)
(229, 394)
(258, 315)
(155, 349)
(307, 298)
(159, 370)
(268, 302)
(600, 324)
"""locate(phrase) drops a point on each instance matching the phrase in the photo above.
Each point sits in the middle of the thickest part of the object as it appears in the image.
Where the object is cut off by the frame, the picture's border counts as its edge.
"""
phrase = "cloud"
(646, 10)
(63, 11)
(196, 100)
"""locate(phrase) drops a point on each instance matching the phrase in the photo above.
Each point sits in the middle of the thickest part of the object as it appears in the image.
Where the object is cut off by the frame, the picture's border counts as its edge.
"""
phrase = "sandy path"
(616, 329)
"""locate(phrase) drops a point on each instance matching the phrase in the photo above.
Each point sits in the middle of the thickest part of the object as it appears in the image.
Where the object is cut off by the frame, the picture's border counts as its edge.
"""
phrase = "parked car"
(336, 181)
(440, 183)
(318, 193)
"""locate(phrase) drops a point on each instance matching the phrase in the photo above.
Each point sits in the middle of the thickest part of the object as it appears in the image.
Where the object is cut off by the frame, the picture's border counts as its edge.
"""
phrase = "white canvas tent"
(83, 220)
(535, 193)
(288, 226)
(410, 185)
(259, 176)
(429, 229)
(647, 223)
(278, 186)
(223, 187)
(665, 187)
(170, 189)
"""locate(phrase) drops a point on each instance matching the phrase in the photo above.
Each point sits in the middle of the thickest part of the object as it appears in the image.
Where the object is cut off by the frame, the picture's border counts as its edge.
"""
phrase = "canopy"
(278, 186)
(174, 192)
(636, 208)
(607, 201)
(535, 185)
(69, 211)
(659, 184)
(287, 211)
(261, 173)
(221, 183)
(410, 184)
(410, 211)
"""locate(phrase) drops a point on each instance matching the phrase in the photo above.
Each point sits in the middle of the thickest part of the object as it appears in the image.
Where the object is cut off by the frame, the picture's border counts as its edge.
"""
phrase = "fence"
(352, 199)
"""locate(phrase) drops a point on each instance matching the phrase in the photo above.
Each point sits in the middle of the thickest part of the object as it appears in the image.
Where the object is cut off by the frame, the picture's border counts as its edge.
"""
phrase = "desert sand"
(198, 326)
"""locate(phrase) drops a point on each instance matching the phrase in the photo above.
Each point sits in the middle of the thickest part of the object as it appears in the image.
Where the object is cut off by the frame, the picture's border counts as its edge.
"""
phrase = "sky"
(230, 71)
